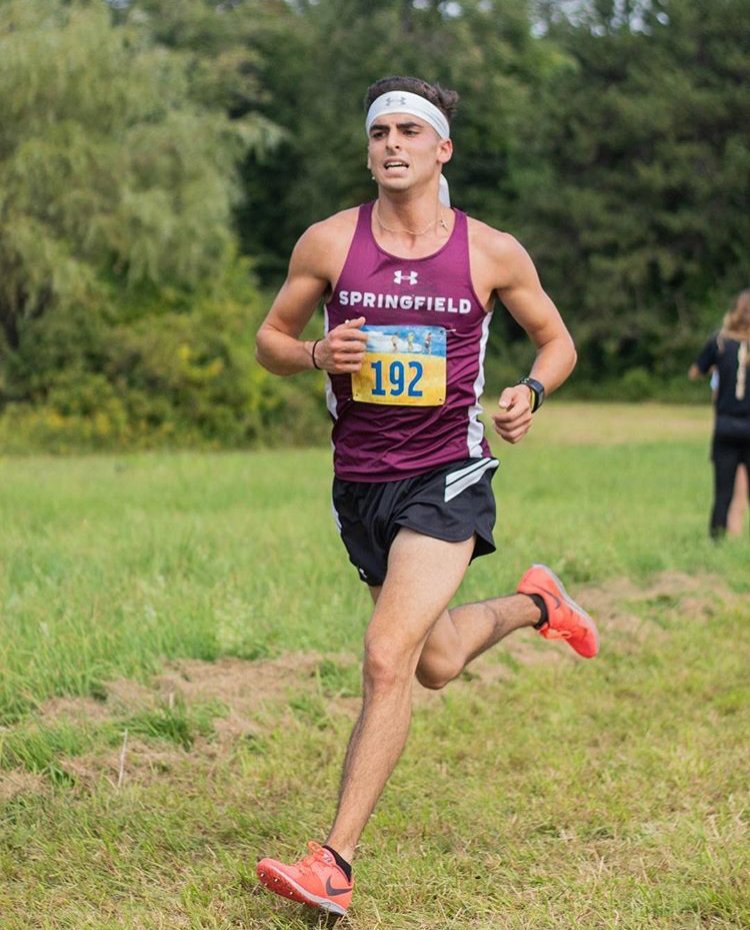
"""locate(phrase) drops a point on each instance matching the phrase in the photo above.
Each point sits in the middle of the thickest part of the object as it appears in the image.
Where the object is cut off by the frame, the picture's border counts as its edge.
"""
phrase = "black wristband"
(537, 392)
(312, 353)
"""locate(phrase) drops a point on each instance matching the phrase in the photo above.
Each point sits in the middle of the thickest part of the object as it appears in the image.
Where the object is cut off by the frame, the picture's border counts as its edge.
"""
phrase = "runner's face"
(404, 150)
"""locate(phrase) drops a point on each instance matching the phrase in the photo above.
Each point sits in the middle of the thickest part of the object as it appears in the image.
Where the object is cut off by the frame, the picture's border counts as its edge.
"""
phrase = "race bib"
(404, 365)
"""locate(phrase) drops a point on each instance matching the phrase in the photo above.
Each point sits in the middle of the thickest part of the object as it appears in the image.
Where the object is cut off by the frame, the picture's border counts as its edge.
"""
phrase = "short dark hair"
(445, 100)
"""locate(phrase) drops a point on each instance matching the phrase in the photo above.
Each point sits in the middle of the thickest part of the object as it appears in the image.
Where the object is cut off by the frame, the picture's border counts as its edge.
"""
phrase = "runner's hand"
(514, 419)
(343, 349)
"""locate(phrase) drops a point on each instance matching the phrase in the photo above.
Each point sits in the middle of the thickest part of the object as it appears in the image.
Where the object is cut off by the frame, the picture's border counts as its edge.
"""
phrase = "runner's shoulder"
(495, 243)
(498, 248)
(329, 235)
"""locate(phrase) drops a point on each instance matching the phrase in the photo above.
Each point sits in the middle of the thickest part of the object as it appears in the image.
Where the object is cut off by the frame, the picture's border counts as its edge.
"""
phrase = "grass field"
(179, 647)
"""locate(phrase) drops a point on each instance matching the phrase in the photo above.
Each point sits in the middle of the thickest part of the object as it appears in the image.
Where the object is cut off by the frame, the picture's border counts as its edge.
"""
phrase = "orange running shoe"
(565, 619)
(315, 880)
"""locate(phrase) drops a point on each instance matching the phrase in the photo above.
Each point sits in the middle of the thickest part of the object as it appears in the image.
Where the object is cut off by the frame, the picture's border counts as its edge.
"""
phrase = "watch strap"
(537, 392)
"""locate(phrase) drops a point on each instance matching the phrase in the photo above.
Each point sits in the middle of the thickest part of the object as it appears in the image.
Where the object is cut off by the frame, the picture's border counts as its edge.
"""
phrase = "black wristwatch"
(537, 392)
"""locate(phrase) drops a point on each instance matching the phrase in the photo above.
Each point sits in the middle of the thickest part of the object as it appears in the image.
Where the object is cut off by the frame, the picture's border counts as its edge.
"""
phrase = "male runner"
(412, 468)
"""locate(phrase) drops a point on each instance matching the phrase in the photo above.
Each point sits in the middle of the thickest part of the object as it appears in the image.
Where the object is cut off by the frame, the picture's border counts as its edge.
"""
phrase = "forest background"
(159, 158)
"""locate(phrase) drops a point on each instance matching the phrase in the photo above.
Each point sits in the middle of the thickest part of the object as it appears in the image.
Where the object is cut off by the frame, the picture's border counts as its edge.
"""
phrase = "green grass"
(610, 794)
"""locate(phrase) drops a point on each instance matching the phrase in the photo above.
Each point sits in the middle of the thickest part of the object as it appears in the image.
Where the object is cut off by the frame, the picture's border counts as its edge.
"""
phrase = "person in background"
(739, 506)
(727, 352)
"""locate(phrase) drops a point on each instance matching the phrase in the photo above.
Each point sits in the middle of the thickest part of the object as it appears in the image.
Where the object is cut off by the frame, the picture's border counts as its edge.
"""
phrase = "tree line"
(159, 158)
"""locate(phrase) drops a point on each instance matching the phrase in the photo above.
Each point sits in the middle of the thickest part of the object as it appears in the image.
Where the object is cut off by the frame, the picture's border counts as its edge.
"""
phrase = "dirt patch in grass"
(250, 691)
(75, 709)
(136, 760)
(246, 700)
(19, 782)
(627, 615)
(124, 694)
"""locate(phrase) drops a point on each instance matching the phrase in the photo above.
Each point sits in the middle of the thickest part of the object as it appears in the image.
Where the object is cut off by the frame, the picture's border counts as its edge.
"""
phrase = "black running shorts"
(452, 502)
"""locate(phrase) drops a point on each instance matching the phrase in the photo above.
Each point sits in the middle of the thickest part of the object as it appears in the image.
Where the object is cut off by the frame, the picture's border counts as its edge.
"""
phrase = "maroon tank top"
(415, 405)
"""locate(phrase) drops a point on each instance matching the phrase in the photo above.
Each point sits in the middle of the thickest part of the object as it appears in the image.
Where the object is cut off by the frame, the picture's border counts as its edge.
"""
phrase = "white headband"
(402, 101)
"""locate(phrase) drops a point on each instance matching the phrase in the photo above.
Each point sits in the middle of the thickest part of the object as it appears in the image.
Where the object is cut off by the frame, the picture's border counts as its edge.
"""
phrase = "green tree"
(109, 171)
(637, 177)
(217, 42)
(127, 319)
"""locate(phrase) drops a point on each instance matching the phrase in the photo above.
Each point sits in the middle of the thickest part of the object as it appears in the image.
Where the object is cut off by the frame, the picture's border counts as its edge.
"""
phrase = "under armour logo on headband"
(407, 102)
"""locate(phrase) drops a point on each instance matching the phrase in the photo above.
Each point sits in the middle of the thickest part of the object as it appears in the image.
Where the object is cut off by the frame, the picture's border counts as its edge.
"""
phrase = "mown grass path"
(203, 605)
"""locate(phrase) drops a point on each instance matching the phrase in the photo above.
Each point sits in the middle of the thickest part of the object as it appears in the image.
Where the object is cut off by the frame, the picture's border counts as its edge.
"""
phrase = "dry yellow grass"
(570, 422)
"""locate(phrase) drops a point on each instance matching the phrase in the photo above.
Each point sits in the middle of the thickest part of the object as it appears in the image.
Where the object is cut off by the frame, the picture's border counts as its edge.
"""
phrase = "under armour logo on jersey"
(399, 277)
(401, 101)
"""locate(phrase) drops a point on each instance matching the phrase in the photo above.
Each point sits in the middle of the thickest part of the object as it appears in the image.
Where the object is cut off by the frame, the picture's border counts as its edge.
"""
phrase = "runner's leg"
(423, 575)
(463, 633)
(726, 458)
(736, 517)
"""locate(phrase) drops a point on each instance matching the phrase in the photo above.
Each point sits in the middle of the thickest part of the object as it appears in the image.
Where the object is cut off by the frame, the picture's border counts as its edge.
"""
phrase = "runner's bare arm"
(518, 287)
(532, 308)
(278, 346)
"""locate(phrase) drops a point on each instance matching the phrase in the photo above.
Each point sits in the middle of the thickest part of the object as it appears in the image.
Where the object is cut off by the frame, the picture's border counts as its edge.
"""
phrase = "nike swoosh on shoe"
(331, 889)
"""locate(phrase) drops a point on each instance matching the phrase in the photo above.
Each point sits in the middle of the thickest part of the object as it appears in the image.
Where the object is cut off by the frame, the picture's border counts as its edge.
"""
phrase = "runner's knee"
(435, 673)
(386, 665)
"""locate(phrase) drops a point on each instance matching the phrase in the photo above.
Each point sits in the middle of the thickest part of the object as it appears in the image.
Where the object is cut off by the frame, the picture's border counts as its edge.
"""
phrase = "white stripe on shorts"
(336, 519)
(458, 481)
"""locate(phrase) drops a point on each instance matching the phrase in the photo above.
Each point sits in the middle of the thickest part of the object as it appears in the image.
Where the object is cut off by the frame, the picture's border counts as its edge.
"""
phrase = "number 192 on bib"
(403, 366)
